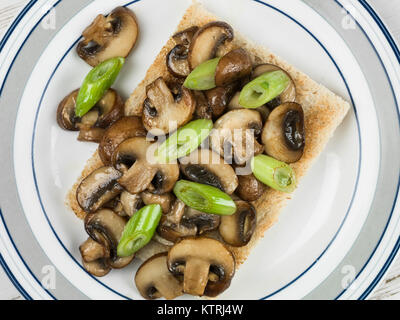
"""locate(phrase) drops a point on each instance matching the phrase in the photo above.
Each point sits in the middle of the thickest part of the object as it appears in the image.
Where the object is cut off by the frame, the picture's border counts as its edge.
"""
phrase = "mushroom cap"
(177, 62)
(91, 251)
(233, 137)
(153, 279)
(206, 264)
(207, 40)
(250, 189)
(98, 268)
(219, 98)
(185, 37)
(109, 36)
(162, 112)
(289, 95)
(232, 67)
(124, 128)
(207, 167)
(285, 120)
(135, 157)
(98, 188)
(237, 229)
(106, 227)
(66, 118)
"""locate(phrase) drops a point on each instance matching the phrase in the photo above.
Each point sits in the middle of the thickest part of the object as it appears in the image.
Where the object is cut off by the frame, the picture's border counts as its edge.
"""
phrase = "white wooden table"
(389, 11)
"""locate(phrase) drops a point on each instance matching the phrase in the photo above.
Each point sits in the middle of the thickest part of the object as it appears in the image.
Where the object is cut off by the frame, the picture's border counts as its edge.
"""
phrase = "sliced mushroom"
(134, 158)
(237, 229)
(207, 40)
(98, 268)
(283, 135)
(66, 118)
(109, 36)
(95, 258)
(234, 105)
(162, 112)
(106, 228)
(206, 265)
(289, 95)
(233, 137)
(131, 203)
(250, 189)
(185, 37)
(98, 188)
(232, 67)
(108, 110)
(91, 251)
(207, 167)
(171, 228)
(203, 108)
(164, 200)
(182, 222)
(219, 98)
(124, 128)
(154, 281)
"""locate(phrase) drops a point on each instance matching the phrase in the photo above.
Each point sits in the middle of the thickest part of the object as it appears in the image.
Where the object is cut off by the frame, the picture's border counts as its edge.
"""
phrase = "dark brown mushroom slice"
(289, 95)
(106, 227)
(153, 279)
(233, 145)
(164, 200)
(250, 189)
(237, 229)
(98, 188)
(204, 222)
(110, 36)
(171, 228)
(203, 108)
(232, 67)
(177, 62)
(121, 130)
(163, 112)
(66, 118)
(219, 98)
(206, 167)
(185, 37)
(207, 41)
(284, 135)
(133, 158)
(207, 266)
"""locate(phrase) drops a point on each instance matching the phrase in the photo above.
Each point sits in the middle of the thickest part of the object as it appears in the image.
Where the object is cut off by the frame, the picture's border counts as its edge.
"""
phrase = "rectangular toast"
(323, 112)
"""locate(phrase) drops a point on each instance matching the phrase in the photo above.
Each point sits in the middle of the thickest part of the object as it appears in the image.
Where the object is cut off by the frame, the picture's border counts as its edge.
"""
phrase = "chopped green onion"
(263, 89)
(139, 230)
(203, 77)
(204, 198)
(96, 83)
(274, 173)
(184, 141)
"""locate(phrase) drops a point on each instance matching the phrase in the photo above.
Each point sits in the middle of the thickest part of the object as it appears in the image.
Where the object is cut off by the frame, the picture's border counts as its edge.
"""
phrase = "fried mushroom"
(163, 112)
(206, 265)
(154, 281)
(232, 67)
(233, 137)
(98, 188)
(237, 229)
(114, 35)
(283, 135)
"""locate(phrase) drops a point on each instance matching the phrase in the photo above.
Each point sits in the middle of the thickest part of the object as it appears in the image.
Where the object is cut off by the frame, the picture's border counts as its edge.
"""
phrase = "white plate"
(338, 234)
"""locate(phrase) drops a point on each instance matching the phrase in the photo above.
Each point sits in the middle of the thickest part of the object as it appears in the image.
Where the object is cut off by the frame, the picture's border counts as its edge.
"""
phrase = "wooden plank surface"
(389, 10)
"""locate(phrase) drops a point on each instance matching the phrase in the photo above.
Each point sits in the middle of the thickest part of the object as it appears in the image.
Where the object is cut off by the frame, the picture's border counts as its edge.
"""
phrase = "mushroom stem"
(196, 276)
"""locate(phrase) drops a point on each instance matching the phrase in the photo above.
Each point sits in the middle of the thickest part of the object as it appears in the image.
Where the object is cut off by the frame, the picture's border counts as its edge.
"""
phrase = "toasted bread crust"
(323, 111)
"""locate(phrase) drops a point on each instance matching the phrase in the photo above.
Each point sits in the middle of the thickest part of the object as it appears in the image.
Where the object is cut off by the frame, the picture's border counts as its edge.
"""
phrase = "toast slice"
(323, 111)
